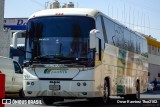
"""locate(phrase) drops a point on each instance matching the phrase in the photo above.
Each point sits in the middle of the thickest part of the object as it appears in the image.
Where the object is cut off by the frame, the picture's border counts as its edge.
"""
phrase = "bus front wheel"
(21, 93)
(51, 100)
(48, 100)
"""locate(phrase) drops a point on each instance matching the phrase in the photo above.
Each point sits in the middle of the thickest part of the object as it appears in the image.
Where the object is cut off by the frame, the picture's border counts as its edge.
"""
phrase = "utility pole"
(1, 14)
(4, 35)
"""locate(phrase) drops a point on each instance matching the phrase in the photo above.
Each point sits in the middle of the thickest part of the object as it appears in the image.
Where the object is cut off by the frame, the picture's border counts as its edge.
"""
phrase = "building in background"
(19, 24)
(153, 58)
(4, 34)
(15, 25)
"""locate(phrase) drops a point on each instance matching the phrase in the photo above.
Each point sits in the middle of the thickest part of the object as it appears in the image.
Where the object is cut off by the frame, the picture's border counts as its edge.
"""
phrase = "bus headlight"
(78, 84)
(28, 83)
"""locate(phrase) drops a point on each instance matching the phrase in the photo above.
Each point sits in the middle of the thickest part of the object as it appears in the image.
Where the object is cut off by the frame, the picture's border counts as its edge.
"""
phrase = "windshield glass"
(65, 36)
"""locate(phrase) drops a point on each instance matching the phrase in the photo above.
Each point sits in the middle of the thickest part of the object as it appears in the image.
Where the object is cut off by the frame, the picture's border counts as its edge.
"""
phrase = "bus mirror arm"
(93, 34)
(15, 40)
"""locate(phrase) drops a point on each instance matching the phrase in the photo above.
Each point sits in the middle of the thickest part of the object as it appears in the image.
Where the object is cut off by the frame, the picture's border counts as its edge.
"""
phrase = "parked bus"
(82, 53)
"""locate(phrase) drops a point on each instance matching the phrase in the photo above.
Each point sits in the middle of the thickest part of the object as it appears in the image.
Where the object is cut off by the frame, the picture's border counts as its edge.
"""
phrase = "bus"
(82, 53)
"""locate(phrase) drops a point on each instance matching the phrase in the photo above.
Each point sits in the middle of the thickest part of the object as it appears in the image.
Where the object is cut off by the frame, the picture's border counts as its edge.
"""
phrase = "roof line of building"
(152, 42)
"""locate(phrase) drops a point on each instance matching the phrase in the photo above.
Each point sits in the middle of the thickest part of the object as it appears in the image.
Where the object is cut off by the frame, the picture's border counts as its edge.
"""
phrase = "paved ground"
(145, 102)
(153, 92)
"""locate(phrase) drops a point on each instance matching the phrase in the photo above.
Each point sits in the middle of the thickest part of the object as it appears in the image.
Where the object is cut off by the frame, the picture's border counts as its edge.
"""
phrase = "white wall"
(154, 70)
(154, 59)
(154, 67)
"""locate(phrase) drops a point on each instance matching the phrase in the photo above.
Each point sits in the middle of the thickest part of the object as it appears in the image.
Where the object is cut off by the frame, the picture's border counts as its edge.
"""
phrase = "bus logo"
(47, 71)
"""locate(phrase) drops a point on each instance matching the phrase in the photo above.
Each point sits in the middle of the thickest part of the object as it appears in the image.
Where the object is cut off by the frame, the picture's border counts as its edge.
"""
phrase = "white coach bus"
(82, 53)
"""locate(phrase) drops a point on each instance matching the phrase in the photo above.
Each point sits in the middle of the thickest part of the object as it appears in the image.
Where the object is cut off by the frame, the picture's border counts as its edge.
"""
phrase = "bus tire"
(21, 93)
(95, 100)
(106, 91)
(48, 100)
(137, 90)
(134, 96)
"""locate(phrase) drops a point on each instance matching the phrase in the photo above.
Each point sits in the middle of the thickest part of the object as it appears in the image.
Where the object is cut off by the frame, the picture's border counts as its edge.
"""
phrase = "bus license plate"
(54, 87)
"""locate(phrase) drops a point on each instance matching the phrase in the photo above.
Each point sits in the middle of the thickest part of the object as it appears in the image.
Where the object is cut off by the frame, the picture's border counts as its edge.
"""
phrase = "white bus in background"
(82, 53)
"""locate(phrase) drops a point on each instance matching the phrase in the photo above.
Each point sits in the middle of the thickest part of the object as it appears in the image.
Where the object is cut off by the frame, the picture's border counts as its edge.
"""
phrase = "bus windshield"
(63, 36)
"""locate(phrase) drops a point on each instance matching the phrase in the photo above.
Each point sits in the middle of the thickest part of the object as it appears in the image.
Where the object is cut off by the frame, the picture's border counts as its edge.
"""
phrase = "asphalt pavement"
(148, 99)
(153, 92)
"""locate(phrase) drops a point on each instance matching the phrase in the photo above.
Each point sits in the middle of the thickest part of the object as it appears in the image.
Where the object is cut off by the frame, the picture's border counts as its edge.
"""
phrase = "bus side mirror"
(16, 35)
(93, 35)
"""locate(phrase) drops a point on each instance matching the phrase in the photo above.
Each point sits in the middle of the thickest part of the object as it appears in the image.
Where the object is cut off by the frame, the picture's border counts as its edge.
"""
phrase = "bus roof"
(65, 11)
(76, 11)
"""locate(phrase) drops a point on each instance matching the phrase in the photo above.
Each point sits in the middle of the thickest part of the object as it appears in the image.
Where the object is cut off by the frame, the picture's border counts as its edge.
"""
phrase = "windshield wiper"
(51, 58)
(55, 58)
(48, 55)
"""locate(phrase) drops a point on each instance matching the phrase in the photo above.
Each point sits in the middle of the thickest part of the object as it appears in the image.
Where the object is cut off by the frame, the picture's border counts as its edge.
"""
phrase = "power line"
(144, 26)
(143, 6)
(40, 4)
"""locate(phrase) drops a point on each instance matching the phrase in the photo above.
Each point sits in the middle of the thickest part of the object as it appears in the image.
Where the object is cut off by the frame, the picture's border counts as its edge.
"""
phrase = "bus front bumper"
(57, 88)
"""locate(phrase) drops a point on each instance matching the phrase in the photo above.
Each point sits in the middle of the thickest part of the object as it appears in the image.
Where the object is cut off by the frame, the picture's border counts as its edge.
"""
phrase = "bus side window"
(17, 67)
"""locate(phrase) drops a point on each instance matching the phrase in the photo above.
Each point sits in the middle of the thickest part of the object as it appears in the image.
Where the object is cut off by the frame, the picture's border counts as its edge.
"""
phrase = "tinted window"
(17, 67)
(109, 27)
(145, 48)
(67, 36)
(99, 27)
(127, 43)
(138, 44)
(119, 33)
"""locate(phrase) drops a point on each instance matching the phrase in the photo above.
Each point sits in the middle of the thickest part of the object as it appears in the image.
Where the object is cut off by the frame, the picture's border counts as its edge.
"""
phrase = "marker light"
(59, 14)
(84, 84)
(28, 83)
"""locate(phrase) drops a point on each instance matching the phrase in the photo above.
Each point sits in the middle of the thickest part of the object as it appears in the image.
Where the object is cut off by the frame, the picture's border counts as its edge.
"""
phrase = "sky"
(139, 15)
